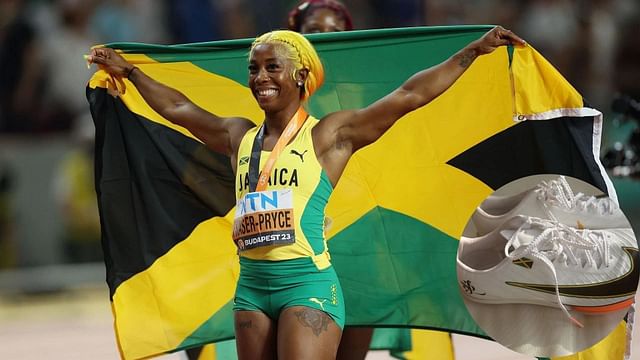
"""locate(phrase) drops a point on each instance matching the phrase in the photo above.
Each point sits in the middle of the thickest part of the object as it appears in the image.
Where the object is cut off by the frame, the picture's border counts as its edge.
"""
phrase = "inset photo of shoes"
(548, 265)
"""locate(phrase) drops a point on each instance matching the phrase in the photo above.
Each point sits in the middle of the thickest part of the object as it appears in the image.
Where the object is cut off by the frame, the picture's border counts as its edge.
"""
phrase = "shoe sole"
(596, 309)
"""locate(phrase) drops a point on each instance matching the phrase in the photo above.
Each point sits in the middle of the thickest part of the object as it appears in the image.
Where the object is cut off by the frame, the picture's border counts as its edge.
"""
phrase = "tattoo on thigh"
(314, 319)
(244, 324)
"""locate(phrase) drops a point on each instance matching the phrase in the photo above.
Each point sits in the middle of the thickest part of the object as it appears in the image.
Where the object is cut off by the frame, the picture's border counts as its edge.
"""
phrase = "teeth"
(267, 92)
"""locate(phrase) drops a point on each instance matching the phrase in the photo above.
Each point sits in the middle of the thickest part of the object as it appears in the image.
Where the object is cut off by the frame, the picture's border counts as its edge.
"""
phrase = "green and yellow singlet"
(286, 220)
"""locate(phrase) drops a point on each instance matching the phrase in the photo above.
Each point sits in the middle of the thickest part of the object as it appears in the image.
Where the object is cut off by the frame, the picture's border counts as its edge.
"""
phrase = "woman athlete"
(319, 16)
(288, 302)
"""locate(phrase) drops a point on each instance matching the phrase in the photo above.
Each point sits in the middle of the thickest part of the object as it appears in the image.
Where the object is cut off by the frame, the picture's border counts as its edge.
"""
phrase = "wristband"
(128, 74)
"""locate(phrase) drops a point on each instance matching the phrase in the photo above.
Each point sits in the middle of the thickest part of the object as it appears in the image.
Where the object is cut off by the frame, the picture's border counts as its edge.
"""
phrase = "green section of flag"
(219, 326)
(226, 350)
(396, 340)
(366, 77)
(410, 282)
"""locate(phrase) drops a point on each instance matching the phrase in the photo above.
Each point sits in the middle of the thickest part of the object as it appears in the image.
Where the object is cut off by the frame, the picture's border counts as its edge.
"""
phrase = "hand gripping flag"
(396, 215)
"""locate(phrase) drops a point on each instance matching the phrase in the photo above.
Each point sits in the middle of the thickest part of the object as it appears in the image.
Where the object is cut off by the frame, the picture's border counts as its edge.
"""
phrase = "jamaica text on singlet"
(283, 176)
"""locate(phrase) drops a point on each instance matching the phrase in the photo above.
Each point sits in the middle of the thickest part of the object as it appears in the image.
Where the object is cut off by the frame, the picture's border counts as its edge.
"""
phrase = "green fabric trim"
(315, 208)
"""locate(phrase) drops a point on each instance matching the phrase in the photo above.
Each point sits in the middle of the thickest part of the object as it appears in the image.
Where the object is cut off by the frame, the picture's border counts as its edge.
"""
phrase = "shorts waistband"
(280, 267)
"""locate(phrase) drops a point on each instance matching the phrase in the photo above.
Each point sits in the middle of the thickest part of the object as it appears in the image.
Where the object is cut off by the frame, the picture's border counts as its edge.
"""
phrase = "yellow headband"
(301, 53)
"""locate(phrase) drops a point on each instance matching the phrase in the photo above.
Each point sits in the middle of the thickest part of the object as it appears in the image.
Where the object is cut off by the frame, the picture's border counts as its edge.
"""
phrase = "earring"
(299, 83)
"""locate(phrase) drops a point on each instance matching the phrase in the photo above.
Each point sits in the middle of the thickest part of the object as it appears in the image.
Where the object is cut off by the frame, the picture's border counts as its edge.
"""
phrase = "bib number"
(264, 218)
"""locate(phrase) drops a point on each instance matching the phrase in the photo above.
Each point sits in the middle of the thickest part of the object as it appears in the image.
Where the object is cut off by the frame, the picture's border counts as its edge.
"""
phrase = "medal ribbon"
(259, 183)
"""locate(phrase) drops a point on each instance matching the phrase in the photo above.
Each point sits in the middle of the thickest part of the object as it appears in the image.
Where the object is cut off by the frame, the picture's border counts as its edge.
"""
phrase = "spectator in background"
(76, 199)
(543, 20)
(193, 21)
(20, 70)
(151, 20)
(599, 47)
(63, 28)
(130, 20)
(66, 42)
(115, 20)
(626, 79)
(399, 13)
(7, 240)
(316, 16)
(444, 12)
(235, 20)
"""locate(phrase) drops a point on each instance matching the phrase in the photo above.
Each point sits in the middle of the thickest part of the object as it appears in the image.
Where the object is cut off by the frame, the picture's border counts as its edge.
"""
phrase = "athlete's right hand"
(110, 61)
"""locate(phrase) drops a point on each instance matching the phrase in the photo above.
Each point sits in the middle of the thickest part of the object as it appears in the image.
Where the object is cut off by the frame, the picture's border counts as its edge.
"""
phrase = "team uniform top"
(286, 220)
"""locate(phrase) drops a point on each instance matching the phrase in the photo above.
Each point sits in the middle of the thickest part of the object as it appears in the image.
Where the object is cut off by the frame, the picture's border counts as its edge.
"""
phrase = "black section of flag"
(562, 146)
(154, 186)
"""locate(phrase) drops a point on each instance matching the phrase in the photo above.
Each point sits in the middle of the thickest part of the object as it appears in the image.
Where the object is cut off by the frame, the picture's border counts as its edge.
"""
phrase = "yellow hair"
(301, 53)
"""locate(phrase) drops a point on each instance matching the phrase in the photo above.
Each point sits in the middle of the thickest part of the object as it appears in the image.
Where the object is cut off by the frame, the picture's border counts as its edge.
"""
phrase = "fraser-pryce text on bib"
(264, 218)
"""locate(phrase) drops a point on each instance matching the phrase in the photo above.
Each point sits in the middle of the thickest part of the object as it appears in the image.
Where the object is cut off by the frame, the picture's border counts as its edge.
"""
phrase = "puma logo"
(319, 302)
(297, 153)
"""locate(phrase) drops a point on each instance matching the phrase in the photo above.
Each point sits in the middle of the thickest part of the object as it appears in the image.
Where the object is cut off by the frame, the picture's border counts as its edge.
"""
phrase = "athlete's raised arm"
(344, 132)
(222, 135)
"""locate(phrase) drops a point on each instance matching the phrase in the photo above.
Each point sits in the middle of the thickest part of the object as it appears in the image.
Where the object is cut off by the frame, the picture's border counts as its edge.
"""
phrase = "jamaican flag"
(166, 201)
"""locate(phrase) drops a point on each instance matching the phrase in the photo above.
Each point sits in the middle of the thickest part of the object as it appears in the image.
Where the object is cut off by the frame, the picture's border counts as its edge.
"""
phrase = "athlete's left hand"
(496, 37)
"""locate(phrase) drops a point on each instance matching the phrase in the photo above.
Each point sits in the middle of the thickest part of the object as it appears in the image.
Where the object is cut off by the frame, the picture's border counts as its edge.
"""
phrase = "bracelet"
(128, 74)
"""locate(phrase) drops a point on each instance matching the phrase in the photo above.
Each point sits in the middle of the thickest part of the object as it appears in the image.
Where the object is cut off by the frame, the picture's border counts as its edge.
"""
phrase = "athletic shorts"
(272, 286)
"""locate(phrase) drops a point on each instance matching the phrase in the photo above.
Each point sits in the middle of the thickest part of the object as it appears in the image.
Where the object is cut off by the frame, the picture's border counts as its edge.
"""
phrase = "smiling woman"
(288, 301)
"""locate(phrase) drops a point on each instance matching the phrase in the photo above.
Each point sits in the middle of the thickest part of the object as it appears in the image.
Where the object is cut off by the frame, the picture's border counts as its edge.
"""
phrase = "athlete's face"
(322, 20)
(270, 77)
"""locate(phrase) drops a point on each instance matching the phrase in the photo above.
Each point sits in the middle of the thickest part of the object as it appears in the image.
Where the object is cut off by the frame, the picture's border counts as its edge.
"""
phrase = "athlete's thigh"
(355, 343)
(307, 333)
(255, 335)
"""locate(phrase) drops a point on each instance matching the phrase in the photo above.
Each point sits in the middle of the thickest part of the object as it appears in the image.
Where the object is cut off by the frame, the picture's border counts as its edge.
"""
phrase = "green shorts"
(272, 286)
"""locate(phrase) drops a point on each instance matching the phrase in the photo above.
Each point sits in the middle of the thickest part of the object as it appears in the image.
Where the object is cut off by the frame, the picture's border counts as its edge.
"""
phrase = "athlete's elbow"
(171, 115)
(413, 100)
(176, 112)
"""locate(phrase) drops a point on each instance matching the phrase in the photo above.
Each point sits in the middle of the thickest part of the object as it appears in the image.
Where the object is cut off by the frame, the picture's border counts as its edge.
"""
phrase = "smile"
(267, 92)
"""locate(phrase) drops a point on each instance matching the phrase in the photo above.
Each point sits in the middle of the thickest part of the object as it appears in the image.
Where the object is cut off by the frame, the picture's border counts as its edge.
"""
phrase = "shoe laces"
(558, 192)
(561, 244)
(602, 206)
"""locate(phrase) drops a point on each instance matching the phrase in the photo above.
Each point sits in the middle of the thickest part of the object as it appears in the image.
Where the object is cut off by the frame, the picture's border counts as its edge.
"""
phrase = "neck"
(276, 121)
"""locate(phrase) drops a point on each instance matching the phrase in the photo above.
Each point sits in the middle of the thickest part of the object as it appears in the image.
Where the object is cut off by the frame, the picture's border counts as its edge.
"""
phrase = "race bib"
(264, 218)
